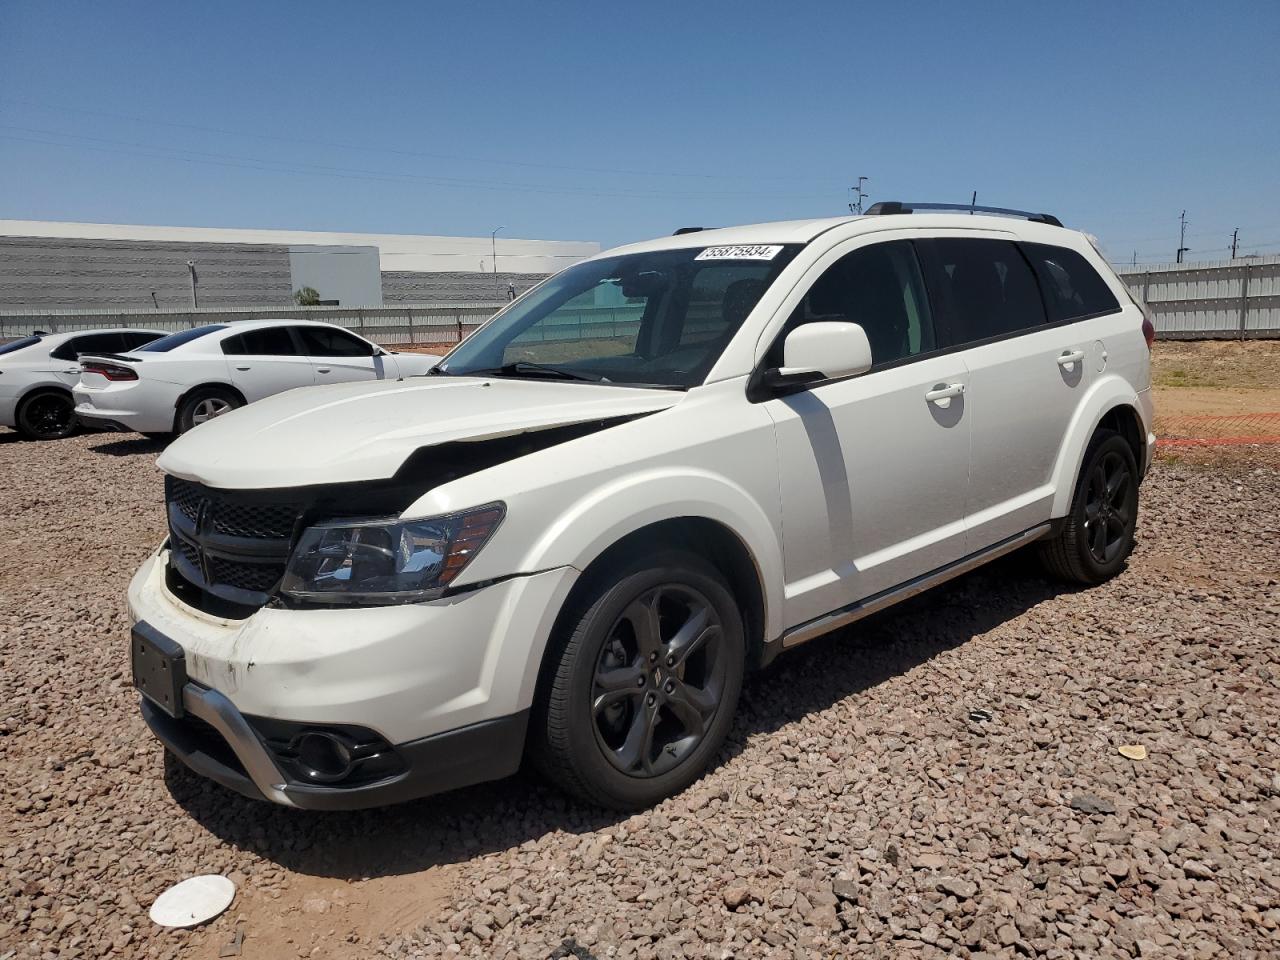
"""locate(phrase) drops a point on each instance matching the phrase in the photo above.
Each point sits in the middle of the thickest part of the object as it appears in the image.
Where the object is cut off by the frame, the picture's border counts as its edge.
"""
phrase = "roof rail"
(683, 230)
(886, 207)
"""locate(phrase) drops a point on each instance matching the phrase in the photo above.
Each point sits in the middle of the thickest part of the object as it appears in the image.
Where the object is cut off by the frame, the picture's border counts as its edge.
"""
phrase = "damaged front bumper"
(437, 693)
(216, 741)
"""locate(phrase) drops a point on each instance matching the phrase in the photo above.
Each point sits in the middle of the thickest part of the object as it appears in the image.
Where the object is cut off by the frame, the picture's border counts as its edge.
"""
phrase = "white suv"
(658, 469)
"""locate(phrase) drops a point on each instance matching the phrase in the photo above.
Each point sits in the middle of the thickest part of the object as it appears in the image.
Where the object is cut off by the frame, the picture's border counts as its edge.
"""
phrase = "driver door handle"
(323, 369)
(941, 395)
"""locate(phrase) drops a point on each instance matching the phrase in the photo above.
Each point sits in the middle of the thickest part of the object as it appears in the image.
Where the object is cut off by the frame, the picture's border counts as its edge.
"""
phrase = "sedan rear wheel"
(47, 415)
(205, 405)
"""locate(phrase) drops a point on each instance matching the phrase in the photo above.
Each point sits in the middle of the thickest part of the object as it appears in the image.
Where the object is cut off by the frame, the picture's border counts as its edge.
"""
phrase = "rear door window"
(266, 342)
(136, 338)
(1072, 288)
(90, 343)
(988, 286)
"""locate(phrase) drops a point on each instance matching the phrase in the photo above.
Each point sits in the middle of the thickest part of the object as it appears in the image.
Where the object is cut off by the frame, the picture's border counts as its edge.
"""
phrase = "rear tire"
(205, 404)
(47, 415)
(643, 681)
(1097, 538)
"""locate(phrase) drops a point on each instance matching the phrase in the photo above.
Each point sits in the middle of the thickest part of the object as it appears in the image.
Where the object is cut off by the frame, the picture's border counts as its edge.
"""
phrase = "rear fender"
(1109, 392)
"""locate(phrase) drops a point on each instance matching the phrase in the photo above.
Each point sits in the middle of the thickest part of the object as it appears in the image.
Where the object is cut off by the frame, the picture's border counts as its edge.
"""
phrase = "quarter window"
(880, 288)
(989, 286)
(1072, 288)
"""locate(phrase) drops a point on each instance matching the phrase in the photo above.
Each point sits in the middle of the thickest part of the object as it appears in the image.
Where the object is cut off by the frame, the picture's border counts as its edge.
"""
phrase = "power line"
(355, 173)
(221, 131)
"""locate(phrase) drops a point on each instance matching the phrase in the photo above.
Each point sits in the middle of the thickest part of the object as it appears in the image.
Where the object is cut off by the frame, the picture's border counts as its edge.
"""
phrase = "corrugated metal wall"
(1232, 298)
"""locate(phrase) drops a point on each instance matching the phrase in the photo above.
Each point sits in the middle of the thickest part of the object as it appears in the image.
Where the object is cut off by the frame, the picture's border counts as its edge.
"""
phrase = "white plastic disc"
(193, 901)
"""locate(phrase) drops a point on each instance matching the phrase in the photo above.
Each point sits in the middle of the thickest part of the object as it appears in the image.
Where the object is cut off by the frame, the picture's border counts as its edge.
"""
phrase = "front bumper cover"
(233, 755)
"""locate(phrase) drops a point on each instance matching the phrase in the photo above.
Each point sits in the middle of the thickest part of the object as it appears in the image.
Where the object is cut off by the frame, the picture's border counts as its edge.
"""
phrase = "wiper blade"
(542, 369)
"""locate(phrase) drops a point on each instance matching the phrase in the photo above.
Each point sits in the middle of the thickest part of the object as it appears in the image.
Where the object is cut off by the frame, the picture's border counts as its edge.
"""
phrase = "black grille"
(259, 577)
(230, 545)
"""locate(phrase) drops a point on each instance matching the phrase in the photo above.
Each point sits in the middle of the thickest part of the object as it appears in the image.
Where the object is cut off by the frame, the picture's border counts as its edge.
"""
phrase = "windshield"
(21, 344)
(165, 344)
(649, 319)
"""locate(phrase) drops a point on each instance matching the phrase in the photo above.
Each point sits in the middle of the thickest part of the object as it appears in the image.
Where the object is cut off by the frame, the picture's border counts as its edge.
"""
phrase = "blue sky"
(615, 122)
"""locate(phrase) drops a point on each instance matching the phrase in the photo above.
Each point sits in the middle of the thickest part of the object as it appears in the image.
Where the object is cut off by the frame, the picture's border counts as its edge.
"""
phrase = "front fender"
(606, 514)
(1106, 394)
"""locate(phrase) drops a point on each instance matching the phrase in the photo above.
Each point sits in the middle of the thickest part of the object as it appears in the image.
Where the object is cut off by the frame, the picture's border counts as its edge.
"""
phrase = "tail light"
(111, 371)
(1148, 330)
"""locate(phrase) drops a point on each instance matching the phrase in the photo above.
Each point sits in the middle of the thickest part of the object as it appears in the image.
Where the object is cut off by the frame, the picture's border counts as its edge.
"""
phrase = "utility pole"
(1182, 236)
(493, 241)
(1135, 258)
(860, 194)
(973, 202)
(1235, 237)
(191, 268)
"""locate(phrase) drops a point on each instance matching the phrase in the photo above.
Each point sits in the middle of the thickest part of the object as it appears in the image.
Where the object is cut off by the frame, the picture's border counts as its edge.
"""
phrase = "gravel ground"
(945, 781)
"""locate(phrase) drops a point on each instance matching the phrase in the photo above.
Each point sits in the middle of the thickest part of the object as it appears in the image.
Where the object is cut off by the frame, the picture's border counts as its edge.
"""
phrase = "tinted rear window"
(165, 344)
(328, 342)
(989, 286)
(1072, 288)
(20, 344)
(112, 342)
(266, 342)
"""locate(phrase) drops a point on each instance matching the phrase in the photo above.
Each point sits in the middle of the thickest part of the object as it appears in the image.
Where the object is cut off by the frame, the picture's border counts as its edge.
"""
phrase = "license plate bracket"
(159, 668)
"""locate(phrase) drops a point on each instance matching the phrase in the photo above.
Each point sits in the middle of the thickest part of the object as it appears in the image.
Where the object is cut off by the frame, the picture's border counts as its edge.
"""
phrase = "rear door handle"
(1070, 357)
(323, 369)
(941, 395)
(242, 368)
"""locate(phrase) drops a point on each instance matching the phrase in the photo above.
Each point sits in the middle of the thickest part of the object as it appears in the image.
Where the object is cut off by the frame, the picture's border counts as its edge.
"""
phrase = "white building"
(50, 265)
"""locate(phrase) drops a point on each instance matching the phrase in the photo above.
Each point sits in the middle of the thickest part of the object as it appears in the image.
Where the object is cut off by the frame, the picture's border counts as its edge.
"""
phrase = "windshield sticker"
(744, 251)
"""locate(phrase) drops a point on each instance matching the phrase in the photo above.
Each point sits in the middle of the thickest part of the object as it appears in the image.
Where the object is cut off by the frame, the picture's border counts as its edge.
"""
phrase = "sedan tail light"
(1148, 330)
(112, 371)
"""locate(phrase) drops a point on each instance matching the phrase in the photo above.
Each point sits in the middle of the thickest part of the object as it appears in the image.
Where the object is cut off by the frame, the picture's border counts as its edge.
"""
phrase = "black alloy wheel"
(47, 415)
(1107, 512)
(659, 680)
(641, 679)
(1097, 536)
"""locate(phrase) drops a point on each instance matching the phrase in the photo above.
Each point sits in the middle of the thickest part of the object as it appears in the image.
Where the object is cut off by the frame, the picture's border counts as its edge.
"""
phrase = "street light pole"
(493, 243)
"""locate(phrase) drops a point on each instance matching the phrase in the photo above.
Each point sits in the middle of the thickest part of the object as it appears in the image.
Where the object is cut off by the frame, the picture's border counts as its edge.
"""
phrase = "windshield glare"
(165, 344)
(649, 319)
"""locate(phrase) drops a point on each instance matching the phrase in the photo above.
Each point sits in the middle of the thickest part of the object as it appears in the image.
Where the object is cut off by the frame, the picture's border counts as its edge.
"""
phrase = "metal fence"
(1232, 299)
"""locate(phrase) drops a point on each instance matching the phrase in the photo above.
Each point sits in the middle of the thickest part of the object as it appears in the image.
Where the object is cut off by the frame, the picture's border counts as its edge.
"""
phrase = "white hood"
(365, 431)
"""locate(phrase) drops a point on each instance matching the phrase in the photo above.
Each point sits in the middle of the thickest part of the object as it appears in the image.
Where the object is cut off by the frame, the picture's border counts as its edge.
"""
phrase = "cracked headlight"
(386, 561)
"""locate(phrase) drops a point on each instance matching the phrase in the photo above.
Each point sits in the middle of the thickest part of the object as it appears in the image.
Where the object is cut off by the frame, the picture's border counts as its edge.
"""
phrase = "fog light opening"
(323, 757)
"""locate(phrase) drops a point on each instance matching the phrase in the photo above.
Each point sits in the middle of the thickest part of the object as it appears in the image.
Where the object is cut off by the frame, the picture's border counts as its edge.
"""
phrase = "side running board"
(887, 598)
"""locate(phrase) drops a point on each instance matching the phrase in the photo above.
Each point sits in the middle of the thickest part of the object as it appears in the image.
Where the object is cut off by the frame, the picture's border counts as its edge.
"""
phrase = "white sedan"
(38, 372)
(172, 384)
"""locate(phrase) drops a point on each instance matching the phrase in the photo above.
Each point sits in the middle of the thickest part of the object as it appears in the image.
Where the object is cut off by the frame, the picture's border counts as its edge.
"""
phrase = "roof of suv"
(803, 231)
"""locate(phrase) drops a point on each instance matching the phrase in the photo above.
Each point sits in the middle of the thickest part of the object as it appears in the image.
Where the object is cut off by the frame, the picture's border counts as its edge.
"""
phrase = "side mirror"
(823, 350)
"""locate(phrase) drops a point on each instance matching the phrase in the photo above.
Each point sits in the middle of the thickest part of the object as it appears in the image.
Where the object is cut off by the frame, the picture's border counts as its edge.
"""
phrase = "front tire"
(205, 404)
(47, 415)
(645, 681)
(1097, 538)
